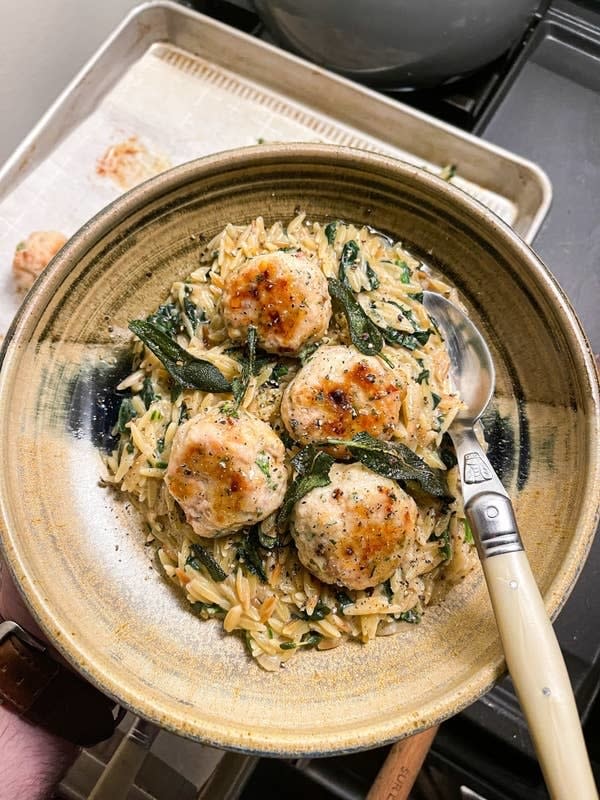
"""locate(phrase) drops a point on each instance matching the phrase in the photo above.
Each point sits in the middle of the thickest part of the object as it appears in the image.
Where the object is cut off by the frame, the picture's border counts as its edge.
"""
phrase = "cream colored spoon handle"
(540, 677)
(121, 771)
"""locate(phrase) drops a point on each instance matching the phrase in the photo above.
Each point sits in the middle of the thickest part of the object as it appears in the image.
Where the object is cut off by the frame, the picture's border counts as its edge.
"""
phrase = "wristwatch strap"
(49, 694)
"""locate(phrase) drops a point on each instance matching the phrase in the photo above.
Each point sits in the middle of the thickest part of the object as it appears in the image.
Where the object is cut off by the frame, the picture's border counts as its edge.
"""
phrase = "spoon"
(531, 649)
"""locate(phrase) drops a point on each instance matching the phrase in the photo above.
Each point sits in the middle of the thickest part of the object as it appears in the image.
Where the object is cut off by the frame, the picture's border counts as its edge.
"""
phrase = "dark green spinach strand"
(126, 414)
(372, 278)
(240, 385)
(330, 231)
(247, 551)
(348, 258)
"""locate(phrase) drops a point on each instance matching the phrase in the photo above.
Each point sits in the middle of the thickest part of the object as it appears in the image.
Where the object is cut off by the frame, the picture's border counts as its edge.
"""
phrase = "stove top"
(541, 100)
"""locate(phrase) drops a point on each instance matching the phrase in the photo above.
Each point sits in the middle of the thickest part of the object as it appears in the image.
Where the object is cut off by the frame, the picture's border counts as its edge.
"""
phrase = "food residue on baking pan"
(33, 255)
(130, 162)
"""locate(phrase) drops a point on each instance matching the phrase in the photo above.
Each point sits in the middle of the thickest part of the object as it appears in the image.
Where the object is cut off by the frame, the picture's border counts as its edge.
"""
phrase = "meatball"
(284, 295)
(354, 531)
(226, 471)
(33, 255)
(339, 393)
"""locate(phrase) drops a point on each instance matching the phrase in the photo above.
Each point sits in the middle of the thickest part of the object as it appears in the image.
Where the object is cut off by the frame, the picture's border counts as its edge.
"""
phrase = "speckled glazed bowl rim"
(226, 735)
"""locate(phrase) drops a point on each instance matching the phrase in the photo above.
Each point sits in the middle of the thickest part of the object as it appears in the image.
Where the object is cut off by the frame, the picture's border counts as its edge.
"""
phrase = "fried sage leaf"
(240, 385)
(312, 467)
(365, 335)
(398, 462)
(184, 368)
(304, 459)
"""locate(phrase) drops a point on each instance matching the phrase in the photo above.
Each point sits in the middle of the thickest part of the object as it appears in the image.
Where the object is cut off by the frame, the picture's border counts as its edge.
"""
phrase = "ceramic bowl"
(78, 551)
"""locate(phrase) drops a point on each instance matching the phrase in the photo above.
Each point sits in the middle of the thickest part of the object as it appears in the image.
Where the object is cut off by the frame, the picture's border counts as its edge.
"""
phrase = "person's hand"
(33, 760)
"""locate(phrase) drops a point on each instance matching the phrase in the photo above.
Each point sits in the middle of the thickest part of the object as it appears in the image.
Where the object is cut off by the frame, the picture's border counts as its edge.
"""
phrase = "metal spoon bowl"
(532, 652)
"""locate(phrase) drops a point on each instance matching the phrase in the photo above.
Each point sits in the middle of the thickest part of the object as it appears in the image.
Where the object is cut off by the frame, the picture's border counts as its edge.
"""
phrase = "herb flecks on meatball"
(354, 531)
(226, 471)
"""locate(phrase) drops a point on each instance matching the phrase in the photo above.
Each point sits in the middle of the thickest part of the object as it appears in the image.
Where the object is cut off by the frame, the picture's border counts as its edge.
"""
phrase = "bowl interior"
(78, 550)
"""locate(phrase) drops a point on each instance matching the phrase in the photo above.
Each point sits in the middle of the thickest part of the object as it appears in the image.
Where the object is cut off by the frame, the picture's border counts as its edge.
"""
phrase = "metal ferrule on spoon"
(532, 652)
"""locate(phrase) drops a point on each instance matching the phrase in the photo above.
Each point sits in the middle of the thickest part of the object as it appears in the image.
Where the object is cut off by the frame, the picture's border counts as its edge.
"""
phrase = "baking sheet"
(222, 90)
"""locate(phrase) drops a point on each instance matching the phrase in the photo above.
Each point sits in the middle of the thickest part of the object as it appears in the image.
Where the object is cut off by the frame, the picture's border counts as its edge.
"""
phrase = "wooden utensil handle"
(396, 777)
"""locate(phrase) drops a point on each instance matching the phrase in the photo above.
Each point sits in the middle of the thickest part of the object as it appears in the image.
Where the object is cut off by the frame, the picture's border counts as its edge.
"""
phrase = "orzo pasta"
(308, 342)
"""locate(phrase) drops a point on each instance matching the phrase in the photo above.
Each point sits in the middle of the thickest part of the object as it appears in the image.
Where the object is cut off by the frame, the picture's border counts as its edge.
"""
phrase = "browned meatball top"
(338, 393)
(284, 295)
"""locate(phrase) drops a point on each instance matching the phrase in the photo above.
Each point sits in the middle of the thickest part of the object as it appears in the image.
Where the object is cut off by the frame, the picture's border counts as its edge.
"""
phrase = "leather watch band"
(49, 694)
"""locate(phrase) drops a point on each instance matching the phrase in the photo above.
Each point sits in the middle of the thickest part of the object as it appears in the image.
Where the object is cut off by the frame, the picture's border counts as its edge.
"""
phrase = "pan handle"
(400, 769)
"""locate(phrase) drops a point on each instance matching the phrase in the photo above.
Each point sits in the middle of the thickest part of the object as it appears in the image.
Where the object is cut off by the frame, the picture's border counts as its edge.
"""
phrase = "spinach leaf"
(312, 473)
(311, 639)
(423, 376)
(268, 542)
(278, 371)
(447, 451)
(412, 616)
(348, 258)
(184, 368)
(330, 231)
(418, 296)
(436, 399)
(446, 545)
(126, 413)
(166, 319)
(247, 551)
(240, 384)
(448, 172)
(193, 313)
(287, 440)
(200, 555)
(372, 278)
(320, 612)
(147, 393)
(306, 352)
(396, 461)
(468, 533)
(409, 340)
(406, 273)
(207, 609)
(365, 335)
(342, 599)
(183, 412)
